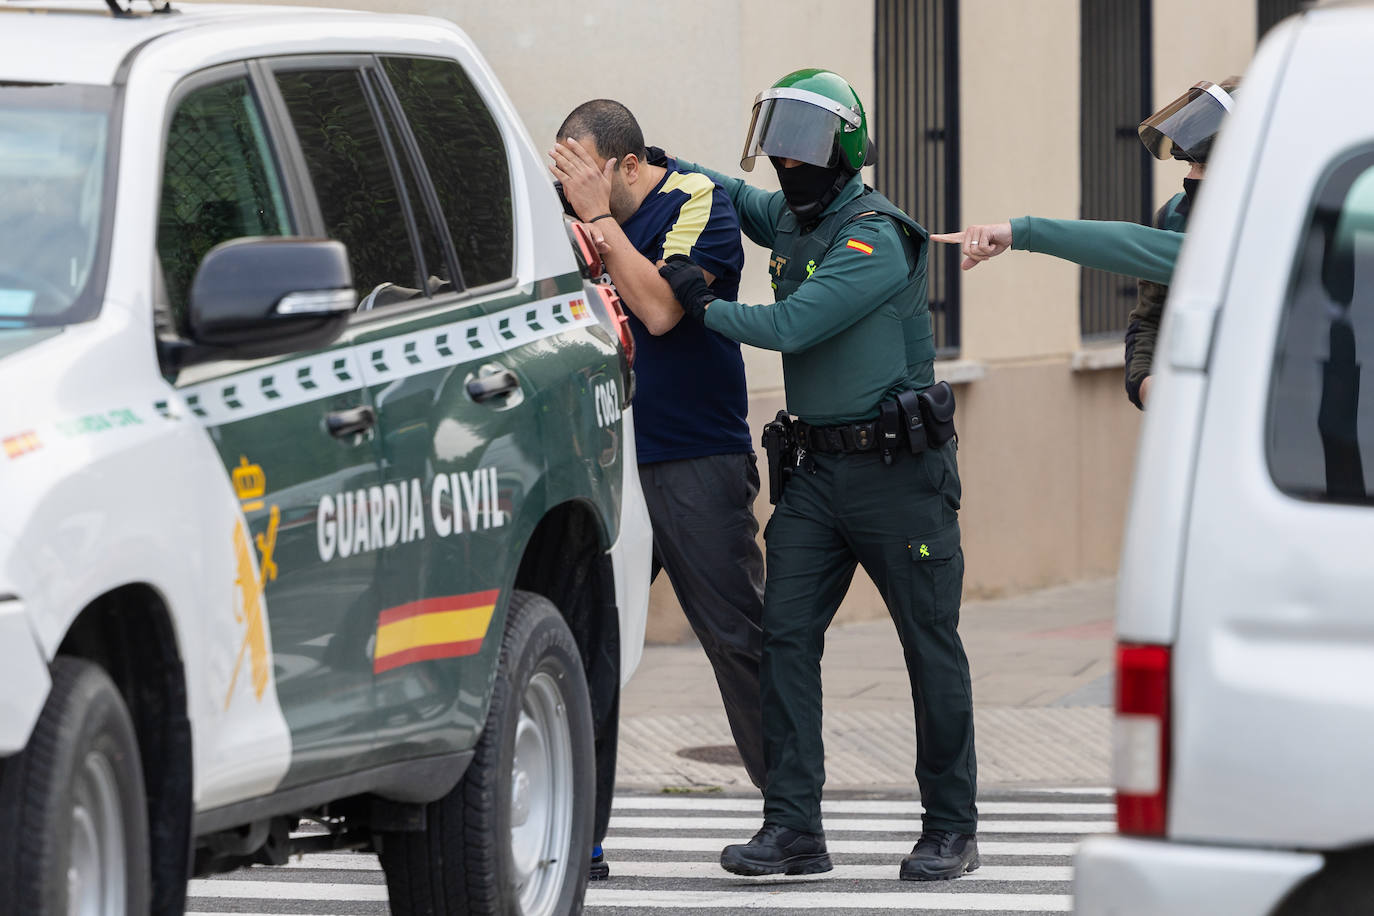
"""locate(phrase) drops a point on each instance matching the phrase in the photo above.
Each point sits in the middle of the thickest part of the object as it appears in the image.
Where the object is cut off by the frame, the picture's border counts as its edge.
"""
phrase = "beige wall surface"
(1018, 108)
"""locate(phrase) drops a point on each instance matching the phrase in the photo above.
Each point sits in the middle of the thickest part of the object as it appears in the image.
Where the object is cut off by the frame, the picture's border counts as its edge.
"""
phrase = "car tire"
(514, 837)
(73, 815)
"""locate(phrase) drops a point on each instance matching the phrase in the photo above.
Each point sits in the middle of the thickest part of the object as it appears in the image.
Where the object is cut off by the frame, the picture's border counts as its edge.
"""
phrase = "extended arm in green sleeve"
(1118, 247)
(845, 287)
(758, 210)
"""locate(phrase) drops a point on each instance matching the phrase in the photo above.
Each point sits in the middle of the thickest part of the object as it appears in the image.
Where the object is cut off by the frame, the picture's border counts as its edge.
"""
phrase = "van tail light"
(1141, 738)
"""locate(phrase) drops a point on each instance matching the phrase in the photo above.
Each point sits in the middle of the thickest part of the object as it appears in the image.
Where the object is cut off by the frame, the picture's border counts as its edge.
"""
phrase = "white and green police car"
(317, 489)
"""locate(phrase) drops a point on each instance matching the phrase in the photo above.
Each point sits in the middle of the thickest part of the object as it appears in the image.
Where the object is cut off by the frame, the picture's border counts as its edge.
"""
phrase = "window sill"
(1095, 358)
(960, 371)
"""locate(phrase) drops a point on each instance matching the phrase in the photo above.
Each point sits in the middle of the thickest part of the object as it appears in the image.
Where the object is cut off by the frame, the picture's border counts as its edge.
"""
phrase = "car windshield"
(54, 147)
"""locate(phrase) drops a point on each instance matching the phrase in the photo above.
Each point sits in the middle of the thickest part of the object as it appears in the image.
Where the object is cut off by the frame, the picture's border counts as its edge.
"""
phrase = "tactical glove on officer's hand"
(689, 285)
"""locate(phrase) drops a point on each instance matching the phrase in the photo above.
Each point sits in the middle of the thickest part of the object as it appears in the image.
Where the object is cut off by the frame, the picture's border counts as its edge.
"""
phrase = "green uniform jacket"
(1142, 325)
(841, 332)
(1118, 247)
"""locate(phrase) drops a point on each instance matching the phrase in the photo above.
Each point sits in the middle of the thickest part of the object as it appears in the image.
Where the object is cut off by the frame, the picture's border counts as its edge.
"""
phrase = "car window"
(463, 149)
(432, 248)
(1321, 403)
(354, 181)
(219, 182)
(54, 145)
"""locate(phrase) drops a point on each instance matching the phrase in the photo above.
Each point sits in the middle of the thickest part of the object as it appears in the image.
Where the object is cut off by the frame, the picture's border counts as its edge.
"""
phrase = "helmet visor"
(791, 128)
(1185, 128)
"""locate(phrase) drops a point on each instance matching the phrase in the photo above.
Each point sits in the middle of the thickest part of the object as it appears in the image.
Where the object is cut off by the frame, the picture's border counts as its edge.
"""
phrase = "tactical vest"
(802, 252)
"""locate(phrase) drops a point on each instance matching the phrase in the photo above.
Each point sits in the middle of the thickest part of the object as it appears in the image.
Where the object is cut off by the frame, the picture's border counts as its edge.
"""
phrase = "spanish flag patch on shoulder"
(859, 246)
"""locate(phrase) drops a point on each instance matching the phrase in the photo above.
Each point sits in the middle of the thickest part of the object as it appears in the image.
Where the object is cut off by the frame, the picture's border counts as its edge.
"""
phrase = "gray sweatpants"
(702, 511)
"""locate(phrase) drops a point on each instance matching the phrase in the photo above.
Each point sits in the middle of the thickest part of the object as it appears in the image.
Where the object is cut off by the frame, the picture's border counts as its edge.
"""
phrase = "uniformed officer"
(1185, 130)
(851, 319)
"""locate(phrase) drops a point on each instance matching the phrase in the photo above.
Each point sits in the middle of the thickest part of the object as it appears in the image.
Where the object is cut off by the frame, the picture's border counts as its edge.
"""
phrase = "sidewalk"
(1041, 666)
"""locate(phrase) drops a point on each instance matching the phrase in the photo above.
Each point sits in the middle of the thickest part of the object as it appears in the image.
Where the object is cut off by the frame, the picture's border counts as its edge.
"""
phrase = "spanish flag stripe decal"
(434, 628)
(859, 246)
(430, 605)
(427, 653)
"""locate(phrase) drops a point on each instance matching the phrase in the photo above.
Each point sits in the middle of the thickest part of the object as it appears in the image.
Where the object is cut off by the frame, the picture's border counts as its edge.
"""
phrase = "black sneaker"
(776, 850)
(600, 869)
(941, 854)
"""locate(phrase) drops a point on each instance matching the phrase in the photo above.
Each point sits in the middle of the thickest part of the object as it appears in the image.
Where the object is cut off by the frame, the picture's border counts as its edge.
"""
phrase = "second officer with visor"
(871, 478)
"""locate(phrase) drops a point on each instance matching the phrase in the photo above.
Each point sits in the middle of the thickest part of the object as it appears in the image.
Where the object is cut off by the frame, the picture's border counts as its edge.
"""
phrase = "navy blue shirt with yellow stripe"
(691, 398)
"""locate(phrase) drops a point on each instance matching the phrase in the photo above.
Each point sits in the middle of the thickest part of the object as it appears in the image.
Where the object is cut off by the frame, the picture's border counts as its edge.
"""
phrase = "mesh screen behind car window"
(439, 278)
(1321, 403)
(218, 183)
(466, 156)
(352, 175)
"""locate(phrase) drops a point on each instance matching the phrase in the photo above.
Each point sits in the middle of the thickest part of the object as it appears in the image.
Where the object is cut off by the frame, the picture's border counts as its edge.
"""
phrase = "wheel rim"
(95, 865)
(541, 802)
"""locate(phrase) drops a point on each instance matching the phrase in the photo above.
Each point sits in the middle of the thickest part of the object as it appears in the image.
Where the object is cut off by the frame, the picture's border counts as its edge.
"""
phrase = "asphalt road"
(664, 852)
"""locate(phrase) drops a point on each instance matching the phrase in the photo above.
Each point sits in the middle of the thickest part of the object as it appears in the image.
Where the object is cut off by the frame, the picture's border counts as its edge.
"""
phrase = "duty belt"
(855, 437)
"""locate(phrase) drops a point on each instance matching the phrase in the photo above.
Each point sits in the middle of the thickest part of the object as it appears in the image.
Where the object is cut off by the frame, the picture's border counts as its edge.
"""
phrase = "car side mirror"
(256, 297)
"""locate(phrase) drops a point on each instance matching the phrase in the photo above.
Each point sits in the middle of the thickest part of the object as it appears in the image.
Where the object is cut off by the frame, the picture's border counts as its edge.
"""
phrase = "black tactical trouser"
(900, 522)
(702, 513)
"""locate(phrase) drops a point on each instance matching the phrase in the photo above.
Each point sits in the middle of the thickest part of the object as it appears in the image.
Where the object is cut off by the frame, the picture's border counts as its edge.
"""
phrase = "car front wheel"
(514, 836)
(73, 821)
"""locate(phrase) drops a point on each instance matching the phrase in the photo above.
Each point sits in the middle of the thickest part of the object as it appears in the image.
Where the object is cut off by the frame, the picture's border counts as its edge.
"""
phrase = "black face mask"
(808, 188)
(1190, 189)
(1190, 186)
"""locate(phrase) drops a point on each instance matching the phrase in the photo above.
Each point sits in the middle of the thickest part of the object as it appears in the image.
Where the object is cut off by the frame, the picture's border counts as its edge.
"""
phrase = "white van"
(1245, 699)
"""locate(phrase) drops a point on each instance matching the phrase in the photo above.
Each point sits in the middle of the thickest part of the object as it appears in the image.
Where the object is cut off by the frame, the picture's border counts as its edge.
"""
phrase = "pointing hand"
(978, 242)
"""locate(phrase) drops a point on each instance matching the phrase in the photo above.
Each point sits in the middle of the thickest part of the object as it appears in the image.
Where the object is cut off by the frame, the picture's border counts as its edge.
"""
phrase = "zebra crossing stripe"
(621, 868)
(669, 868)
(858, 806)
(637, 868)
(747, 825)
(910, 901)
(620, 843)
(285, 890)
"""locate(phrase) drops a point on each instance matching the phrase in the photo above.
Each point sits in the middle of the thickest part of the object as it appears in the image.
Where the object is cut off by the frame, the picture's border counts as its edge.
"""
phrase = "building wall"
(1047, 438)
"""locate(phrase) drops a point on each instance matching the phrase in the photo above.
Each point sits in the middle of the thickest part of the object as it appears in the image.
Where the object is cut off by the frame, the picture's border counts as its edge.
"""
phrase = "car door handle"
(351, 422)
(491, 385)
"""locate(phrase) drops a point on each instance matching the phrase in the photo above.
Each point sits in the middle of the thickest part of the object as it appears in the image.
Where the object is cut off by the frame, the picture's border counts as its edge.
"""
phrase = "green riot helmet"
(813, 116)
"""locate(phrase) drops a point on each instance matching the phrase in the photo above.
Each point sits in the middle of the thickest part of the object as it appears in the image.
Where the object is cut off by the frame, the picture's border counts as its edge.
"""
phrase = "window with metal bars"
(1116, 172)
(915, 124)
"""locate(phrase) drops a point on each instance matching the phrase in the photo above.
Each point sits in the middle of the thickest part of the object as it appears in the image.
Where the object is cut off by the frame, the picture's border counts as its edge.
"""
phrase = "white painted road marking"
(863, 806)
(747, 825)
(872, 847)
(660, 863)
(635, 869)
(809, 900)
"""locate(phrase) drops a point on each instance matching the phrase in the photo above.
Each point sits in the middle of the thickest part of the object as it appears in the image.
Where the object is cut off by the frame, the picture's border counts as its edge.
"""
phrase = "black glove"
(689, 285)
(656, 155)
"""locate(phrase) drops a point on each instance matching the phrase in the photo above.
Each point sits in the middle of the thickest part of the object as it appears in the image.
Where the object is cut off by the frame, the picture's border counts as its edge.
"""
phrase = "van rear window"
(1321, 403)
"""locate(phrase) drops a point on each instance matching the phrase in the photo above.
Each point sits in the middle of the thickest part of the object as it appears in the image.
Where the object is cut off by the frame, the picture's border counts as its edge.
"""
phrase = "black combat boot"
(600, 868)
(777, 850)
(940, 855)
